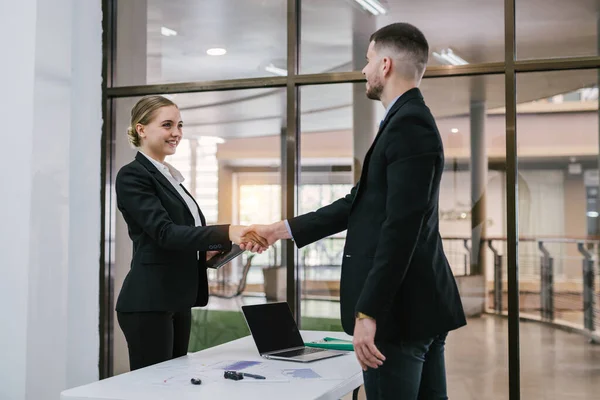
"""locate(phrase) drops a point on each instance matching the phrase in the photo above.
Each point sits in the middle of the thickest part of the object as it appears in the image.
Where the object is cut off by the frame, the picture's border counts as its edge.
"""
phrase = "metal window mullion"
(290, 157)
(514, 384)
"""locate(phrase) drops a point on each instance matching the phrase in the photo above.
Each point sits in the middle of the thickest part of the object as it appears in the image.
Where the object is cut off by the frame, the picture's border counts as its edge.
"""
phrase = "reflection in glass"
(557, 130)
(204, 40)
(548, 29)
(335, 33)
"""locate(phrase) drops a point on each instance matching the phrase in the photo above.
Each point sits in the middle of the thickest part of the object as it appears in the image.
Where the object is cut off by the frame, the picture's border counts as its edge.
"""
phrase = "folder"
(332, 344)
(221, 259)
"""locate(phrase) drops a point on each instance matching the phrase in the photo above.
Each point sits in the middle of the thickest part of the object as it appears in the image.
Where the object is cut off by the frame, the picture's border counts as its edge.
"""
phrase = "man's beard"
(375, 90)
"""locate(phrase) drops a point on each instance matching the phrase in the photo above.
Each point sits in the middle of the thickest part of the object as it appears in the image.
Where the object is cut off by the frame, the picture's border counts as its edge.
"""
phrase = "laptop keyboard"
(299, 352)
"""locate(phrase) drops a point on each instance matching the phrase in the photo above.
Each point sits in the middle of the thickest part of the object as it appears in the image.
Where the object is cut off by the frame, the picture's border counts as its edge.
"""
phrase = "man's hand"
(364, 344)
(271, 233)
(211, 254)
(248, 240)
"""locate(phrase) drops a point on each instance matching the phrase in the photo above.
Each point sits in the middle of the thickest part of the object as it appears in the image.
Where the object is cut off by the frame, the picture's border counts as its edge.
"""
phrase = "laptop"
(277, 337)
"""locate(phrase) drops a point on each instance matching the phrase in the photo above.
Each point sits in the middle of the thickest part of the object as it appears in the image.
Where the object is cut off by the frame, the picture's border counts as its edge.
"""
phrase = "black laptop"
(277, 336)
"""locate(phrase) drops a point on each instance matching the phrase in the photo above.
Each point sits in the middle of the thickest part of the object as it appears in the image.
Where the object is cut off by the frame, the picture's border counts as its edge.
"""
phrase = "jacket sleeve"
(410, 177)
(325, 221)
(137, 200)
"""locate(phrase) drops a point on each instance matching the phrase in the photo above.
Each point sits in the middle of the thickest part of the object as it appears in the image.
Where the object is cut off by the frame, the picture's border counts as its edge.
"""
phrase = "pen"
(253, 376)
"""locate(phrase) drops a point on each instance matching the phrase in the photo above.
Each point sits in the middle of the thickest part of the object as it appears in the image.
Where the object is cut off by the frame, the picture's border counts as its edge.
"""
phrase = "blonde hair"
(142, 113)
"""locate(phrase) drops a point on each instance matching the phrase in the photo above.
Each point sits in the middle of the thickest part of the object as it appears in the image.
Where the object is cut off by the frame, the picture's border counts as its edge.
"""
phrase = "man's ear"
(386, 65)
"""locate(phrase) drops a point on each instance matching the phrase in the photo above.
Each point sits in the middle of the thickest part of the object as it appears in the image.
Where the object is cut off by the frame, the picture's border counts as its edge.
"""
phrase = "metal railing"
(558, 279)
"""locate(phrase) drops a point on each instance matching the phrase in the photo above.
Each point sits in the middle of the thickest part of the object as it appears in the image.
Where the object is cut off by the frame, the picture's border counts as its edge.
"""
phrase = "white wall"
(50, 210)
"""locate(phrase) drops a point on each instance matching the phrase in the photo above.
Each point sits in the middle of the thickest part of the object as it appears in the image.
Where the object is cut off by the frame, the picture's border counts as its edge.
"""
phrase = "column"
(363, 109)
(479, 168)
(50, 212)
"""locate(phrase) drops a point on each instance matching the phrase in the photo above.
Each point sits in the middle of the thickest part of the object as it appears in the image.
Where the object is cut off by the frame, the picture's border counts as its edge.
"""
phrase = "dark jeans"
(412, 370)
(154, 337)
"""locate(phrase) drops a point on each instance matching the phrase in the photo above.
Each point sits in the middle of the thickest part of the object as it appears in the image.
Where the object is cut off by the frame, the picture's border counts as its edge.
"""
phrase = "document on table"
(214, 373)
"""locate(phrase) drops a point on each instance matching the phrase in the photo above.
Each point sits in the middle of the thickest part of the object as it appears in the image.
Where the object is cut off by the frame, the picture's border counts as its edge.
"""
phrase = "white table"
(171, 379)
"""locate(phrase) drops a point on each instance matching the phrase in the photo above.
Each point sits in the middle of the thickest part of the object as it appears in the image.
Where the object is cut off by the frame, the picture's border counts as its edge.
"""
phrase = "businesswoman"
(171, 241)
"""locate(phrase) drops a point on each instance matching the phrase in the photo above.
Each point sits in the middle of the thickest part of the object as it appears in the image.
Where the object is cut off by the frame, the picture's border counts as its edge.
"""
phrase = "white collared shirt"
(389, 107)
(175, 178)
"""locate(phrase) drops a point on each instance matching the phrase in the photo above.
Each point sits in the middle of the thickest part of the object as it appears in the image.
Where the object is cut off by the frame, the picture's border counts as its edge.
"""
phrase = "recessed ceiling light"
(448, 57)
(454, 130)
(210, 140)
(167, 32)
(372, 6)
(217, 51)
(275, 70)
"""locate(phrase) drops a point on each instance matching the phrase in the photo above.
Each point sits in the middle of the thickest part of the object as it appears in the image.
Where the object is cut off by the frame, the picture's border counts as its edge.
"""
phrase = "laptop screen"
(272, 326)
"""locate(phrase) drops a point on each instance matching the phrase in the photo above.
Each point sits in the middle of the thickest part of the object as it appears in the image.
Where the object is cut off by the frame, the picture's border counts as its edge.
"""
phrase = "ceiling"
(254, 33)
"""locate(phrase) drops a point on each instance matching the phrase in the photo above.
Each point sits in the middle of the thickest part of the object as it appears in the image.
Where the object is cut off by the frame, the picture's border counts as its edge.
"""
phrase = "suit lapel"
(159, 177)
(202, 219)
(408, 95)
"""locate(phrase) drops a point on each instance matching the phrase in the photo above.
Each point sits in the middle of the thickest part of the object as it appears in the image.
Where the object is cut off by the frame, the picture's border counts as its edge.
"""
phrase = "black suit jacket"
(394, 267)
(167, 273)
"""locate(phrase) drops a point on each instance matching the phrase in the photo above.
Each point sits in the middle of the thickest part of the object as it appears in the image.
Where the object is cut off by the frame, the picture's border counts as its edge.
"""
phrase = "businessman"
(398, 296)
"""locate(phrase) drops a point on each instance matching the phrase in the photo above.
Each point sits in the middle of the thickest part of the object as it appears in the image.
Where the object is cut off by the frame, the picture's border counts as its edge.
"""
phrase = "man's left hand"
(364, 344)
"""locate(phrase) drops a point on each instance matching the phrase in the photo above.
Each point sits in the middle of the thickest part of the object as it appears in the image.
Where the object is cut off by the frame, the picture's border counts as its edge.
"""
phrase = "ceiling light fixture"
(217, 51)
(167, 32)
(454, 130)
(449, 57)
(372, 6)
(275, 70)
(210, 140)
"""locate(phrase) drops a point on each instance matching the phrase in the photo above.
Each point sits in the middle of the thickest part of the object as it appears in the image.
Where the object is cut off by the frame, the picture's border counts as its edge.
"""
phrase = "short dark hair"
(404, 38)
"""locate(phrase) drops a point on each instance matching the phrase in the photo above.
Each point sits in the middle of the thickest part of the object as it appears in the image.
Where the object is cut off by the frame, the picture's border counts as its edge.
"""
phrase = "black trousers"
(412, 370)
(154, 337)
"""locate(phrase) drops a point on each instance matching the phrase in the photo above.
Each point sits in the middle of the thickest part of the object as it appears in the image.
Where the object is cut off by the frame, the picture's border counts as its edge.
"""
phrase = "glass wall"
(242, 145)
(188, 40)
(326, 159)
(548, 29)
(557, 121)
(335, 32)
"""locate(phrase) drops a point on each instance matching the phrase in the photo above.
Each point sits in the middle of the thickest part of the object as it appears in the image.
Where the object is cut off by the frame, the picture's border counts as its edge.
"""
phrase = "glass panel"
(326, 165)
(335, 33)
(557, 130)
(338, 125)
(161, 41)
(230, 159)
(552, 29)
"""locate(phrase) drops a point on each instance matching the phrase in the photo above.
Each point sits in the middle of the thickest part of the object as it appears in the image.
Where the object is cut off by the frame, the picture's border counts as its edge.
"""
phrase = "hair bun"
(133, 137)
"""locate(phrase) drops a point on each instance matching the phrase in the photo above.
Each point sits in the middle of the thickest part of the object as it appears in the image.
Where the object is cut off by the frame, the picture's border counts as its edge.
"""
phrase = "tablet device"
(221, 259)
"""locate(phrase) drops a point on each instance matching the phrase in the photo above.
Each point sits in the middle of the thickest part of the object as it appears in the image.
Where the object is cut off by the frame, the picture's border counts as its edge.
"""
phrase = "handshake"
(258, 238)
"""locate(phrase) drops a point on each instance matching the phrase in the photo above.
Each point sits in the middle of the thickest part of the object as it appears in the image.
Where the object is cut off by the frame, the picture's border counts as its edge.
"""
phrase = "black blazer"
(394, 267)
(167, 273)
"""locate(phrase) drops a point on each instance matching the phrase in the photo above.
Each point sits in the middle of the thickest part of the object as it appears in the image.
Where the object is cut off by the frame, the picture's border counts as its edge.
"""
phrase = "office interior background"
(276, 123)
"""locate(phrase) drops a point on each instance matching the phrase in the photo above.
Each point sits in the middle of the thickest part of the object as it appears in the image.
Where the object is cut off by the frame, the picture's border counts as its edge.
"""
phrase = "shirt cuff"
(287, 225)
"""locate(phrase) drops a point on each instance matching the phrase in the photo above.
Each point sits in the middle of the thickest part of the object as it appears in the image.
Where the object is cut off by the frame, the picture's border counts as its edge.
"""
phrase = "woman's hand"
(251, 240)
